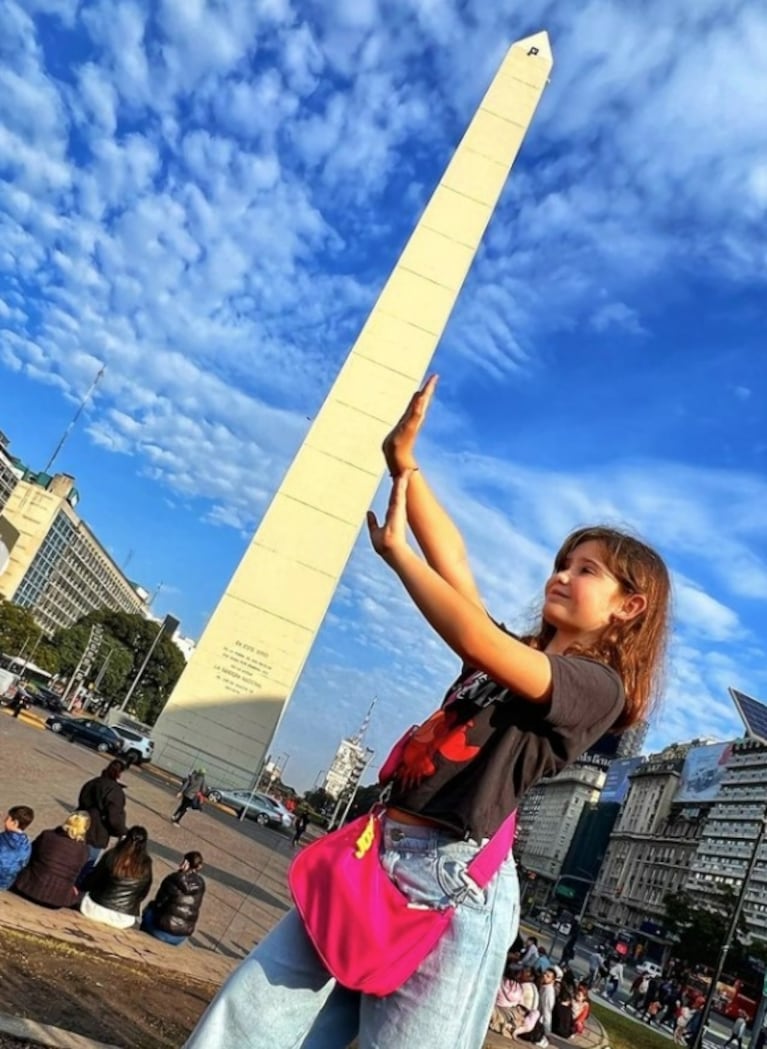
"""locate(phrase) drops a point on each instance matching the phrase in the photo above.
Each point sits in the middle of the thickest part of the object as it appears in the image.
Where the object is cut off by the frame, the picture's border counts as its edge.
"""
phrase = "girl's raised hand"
(390, 537)
(399, 446)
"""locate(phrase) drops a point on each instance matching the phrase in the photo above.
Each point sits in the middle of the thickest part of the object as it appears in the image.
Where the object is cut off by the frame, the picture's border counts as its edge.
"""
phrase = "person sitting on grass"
(15, 846)
(562, 1016)
(172, 915)
(57, 858)
(581, 1009)
(119, 883)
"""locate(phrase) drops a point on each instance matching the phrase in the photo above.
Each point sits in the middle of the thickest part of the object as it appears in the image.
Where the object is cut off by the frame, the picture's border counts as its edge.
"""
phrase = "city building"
(729, 834)
(10, 471)
(548, 818)
(185, 644)
(613, 746)
(655, 838)
(55, 565)
(351, 760)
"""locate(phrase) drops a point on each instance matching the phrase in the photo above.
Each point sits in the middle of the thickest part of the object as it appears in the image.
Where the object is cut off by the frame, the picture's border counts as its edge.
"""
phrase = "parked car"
(137, 747)
(48, 700)
(88, 731)
(259, 807)
(651, 969)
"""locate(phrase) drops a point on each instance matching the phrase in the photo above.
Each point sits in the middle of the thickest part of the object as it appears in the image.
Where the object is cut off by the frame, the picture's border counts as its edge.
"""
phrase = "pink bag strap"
(493, 853)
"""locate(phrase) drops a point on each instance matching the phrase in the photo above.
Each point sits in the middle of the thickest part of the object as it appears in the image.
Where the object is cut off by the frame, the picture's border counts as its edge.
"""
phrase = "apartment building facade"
(656, 839)
(56, 566)
(729, 835)
(549, 816)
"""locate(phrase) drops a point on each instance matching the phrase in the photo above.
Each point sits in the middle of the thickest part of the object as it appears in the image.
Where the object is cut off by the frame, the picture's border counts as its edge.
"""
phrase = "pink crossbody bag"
(365, 930)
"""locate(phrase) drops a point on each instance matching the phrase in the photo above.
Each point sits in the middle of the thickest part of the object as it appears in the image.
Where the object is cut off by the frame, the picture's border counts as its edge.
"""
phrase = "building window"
(44, 563)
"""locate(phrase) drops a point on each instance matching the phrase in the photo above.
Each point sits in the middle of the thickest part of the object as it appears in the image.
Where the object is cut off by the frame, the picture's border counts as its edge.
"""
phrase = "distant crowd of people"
(660, 1001)
(71, 865)
(538, 998)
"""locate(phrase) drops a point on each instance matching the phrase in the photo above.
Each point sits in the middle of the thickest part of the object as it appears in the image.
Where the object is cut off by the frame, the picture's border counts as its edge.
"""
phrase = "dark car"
(47, 699)
(88, 731)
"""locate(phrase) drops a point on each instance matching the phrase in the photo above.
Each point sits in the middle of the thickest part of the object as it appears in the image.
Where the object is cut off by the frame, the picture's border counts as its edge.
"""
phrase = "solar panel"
(753, 714)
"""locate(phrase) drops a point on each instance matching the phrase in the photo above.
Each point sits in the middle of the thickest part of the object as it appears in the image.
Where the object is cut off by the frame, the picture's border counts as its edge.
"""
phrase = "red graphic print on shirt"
(441, 734)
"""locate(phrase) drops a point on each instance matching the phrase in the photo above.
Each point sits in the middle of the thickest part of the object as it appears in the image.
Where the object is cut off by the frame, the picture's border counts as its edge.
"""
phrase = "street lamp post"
(142, 668)
(697, 1042)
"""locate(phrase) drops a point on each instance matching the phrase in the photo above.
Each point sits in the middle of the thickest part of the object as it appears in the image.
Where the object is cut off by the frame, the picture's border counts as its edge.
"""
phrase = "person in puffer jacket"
(172, 915)
(15, 846)
(120, 881)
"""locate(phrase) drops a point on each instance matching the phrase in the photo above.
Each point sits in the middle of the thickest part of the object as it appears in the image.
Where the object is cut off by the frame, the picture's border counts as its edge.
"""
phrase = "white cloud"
(209, 200)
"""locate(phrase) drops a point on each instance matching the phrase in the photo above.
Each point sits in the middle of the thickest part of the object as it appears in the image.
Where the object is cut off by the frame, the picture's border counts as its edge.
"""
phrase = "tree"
(364, 800)
(701, 930)
(18, 630)
(129, 638)
(47, 657)
(319, 801)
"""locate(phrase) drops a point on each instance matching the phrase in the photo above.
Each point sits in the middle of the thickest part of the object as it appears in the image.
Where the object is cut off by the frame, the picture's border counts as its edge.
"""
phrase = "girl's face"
(583, 596)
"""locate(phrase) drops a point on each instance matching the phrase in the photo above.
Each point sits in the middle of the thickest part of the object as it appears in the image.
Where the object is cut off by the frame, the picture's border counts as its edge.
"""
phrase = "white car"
(651, 969)
(136, 746)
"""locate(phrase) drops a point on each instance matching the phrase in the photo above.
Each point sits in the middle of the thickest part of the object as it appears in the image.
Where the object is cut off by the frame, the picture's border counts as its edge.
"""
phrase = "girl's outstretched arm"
(461, 623)
(434, 530)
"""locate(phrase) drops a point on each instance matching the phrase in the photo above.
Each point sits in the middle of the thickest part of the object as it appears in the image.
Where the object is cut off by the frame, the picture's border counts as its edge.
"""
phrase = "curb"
(44, 1034)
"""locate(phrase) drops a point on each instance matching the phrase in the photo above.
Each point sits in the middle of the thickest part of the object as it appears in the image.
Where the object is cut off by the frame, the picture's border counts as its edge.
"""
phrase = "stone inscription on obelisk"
(228, 702)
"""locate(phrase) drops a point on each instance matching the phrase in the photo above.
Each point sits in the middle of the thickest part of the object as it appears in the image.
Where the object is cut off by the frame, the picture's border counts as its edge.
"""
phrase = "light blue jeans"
(282, 997)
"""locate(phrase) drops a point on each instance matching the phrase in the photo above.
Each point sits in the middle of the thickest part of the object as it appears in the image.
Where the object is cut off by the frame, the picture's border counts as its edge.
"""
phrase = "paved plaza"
(245, 865)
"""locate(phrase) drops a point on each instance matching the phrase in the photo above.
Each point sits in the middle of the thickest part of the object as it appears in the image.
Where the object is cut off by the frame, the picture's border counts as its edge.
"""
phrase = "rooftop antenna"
(73, 422)
(360, 734)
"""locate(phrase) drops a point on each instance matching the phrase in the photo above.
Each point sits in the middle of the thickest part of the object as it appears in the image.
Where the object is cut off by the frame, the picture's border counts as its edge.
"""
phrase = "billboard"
(617, 780)
(703, 772)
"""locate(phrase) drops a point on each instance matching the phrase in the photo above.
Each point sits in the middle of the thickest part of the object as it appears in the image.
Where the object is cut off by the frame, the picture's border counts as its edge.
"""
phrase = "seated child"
(581, 1010)
(15, 846)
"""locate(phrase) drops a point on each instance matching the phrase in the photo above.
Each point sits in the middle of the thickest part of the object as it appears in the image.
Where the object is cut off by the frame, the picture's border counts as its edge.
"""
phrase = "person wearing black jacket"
(172, 915)
(57, 858)
(120, 882)
(103, 798)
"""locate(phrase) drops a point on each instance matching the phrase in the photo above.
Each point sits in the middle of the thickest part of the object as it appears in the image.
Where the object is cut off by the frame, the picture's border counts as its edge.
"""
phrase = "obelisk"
(228, 702)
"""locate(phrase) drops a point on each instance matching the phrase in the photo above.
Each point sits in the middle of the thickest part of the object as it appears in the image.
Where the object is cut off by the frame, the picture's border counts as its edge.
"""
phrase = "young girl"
(581, 1010)
(521, 709)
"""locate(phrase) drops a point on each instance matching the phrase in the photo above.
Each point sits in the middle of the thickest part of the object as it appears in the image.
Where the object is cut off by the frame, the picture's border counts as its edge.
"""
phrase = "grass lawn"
(624, 1033)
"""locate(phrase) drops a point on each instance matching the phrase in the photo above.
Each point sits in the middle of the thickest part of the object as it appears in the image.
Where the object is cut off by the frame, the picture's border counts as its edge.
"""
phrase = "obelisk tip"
(538, 44)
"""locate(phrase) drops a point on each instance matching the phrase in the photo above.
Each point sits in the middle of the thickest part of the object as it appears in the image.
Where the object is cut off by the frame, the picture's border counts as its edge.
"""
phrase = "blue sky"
(207, 197)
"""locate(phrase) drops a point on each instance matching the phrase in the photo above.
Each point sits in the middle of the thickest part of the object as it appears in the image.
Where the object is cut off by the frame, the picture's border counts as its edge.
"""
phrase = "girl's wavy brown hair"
(634, 648)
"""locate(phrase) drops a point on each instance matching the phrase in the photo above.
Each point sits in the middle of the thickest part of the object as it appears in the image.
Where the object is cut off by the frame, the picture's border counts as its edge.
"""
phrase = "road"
(245, 865)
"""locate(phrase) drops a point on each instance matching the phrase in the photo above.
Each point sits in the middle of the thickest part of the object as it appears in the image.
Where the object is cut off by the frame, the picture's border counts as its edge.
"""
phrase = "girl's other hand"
(390, 537)
(399, 446)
